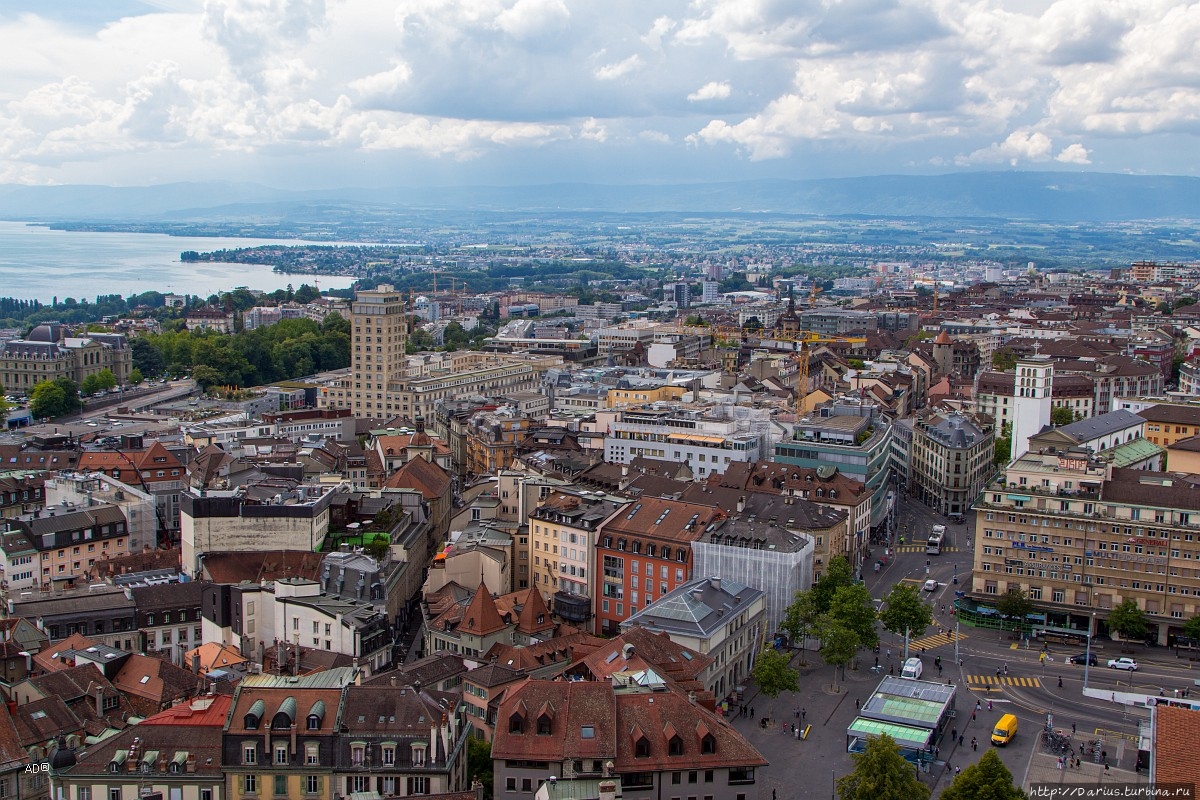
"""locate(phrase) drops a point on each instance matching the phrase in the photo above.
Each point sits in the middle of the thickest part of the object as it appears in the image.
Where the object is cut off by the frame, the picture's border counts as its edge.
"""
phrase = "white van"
(912, 669)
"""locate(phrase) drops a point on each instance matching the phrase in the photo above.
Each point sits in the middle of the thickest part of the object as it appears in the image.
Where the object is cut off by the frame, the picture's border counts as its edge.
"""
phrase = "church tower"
(1031, 401)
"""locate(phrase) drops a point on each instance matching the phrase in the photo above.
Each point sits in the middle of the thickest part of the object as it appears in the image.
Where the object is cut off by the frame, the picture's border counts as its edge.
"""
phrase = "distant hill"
(1051, 196)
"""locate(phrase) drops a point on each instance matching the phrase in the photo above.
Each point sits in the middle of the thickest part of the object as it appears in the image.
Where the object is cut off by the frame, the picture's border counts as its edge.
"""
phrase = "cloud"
(1020, 146)
(713, 90)
(1074, 154)
(619, 69)
(554, 85)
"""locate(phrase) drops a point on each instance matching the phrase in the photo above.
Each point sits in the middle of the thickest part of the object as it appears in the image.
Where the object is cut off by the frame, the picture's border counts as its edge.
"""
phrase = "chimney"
(715, 583)
(99, 701)
(292, 743)
(741, 503)
(392, 680)
(624, 470)
(357, 673)
(196, 662)
(477, 788)
(692, 698)
(608, 790)
(191, 762)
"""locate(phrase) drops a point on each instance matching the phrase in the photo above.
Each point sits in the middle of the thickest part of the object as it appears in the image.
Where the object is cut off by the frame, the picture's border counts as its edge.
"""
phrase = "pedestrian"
(997, 672)
(877, 661)
(1072, 728)
(977, 706)
(891, 670)
(857, 703)
(1006, 669)
(1060, 681)
(751, 712)
(889, 654)
(803, 714)
(1104, 756)
(960, 740)
(954, 733)
(773, 797)
(796, 712)
(972, 716)
(1106, 767)
(957, 771)
(1060, 762)
(974, 744)
(989, 705)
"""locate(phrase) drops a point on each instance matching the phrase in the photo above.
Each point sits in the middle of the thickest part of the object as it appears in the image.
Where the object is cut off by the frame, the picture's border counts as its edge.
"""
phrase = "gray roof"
(953, 430)
(1094, 427)
(696, 608)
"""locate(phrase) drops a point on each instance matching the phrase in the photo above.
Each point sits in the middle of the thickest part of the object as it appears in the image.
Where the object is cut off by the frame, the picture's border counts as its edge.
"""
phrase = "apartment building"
(994, 395)
(273, 514)
(154, 469)
(492, 438)
(1168, 423)
(645, 553)
(563, 533)
(716, 617)
(950, 459)
(682, 435)
(573, 729)
(70, 540)
(1080, 537)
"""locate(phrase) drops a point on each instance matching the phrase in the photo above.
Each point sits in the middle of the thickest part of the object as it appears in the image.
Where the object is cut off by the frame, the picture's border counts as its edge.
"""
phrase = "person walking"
(803, 714)
(1060, 681)
(974, 744)
(957, 771)
(1072, 728)
(960, 739)
(751, 712)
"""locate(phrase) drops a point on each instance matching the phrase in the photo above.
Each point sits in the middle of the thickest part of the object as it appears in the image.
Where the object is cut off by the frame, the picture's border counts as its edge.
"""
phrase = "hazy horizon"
(316, 94)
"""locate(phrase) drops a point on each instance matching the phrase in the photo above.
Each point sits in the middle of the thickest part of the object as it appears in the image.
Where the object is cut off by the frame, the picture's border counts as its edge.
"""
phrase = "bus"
(934, 546)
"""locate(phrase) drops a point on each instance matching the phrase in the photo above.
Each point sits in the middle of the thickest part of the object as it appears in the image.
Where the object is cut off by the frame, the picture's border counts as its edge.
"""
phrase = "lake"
(37, 263)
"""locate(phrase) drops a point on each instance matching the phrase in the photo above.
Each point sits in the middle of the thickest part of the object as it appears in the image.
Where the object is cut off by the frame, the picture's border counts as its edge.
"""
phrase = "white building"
(711, 292)
(683, 436)
(84, 489)
(1031, 401)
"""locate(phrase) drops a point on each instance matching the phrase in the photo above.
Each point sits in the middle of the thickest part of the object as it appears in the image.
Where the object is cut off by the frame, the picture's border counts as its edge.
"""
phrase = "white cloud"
(713, 90)
(1074, 154)
(917, 81)
(619, 69)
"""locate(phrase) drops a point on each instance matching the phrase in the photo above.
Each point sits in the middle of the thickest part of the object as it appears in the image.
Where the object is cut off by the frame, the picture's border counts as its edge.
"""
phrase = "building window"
(418, 785)
(389, 756)
(249, 754)
(312, 753)
(249, 784)
(312, 784)
(281, 785)
(281, 755)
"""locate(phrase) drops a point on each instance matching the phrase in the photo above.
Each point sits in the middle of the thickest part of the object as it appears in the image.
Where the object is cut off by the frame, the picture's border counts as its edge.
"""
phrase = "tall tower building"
(1031, 401)
(379, 323)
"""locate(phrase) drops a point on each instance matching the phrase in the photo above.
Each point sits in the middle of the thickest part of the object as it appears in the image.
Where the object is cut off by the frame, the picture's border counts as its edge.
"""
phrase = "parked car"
(930, 585)
(1084, 658)
(1123, 663)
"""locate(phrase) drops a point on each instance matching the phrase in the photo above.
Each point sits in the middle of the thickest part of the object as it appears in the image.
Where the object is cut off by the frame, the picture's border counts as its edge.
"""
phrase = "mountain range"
(1028, 196)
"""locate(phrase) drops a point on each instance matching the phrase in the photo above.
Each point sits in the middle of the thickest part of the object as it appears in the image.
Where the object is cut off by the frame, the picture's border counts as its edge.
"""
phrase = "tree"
(90, 385)
(1002, 452)
(1128, 620)
(774, 674)
(1014, 604)
(988, 779)
(800, 617)
(1004, 359)
(206, 376)
(905, 613)
(1191, 629)
(135, 376)
(1061, 415)
(838, 642)
(147, 357)
(377, 548)
(47, 399)
(479, 761)
(105, 379)
(838, 574)
(881, 773)
(852, 607)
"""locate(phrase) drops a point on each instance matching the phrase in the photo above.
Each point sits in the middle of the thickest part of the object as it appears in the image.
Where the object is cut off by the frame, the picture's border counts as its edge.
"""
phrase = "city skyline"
(313, 94)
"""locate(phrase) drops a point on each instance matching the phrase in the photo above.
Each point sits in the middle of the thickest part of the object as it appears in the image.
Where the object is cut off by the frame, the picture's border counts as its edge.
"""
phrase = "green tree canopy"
(1061, 415)
(479, 762)
(1002, 453)
(1191, 629)
(881, 773)
(1004, 359)
(774, 674)
(51, 399)
(1128, 620)
(905, 611)
(800, 617)
(838, 642)
(853, 608)
(1014, 603)
(988, 779)
(838, 574)
(135, 376)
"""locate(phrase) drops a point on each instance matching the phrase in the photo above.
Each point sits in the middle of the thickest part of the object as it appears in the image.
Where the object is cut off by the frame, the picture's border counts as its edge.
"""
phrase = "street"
(997, 673)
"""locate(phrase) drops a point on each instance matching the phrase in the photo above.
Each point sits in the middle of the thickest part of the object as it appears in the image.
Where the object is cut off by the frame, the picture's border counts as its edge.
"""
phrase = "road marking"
(920, 548)
(1108, 732)
(1004, 680)
(936, 640)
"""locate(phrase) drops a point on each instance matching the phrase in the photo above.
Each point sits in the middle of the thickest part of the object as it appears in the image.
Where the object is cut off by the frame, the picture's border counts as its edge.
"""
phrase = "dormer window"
(418, 755)
(544, 725)
(516, 724)
(708, 744)
(641, 747)
(666, 552)
(675, 746)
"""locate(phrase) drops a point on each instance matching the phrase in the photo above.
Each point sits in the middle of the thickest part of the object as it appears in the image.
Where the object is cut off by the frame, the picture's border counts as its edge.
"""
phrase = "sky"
(316, 94)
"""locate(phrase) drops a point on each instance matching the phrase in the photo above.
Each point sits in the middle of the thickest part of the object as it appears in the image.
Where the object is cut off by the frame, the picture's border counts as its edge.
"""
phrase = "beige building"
(950, 457)
(1080, 537)
(51, 352)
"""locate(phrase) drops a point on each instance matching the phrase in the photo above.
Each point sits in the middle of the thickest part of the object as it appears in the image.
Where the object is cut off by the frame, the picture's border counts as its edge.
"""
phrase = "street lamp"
(1087, 658)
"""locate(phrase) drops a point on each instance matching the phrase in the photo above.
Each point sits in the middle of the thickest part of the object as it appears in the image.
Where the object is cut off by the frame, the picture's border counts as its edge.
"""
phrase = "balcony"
(572, 607)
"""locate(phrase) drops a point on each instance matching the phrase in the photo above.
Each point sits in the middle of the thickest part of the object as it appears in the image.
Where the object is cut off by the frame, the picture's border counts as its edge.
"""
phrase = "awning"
(180, 758)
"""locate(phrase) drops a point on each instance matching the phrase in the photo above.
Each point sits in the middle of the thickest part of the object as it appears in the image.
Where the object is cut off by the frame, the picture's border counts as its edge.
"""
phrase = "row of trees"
(288, 349)
(841, 615)
(882, 773)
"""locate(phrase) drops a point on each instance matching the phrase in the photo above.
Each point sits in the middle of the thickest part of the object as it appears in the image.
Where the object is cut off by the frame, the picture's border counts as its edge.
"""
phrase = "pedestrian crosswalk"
(920, 548)
(936, 640)
(976, 681)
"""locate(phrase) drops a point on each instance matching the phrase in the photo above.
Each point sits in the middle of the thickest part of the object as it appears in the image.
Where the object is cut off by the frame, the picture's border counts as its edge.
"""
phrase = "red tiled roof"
(1174, 737)
(429, 479)
(481, 616)
(202, 712)
(661, 518)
